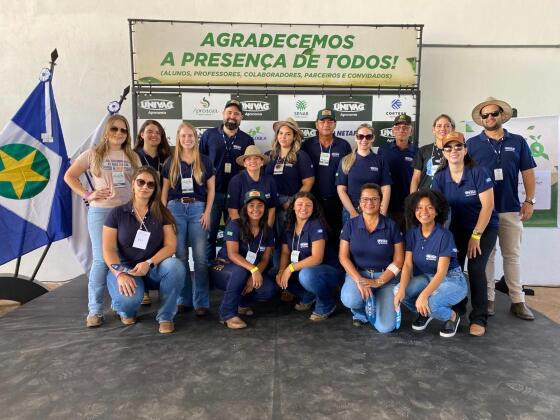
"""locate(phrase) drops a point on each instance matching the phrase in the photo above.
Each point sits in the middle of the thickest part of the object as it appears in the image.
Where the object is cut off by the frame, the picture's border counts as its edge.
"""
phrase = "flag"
(35, 202)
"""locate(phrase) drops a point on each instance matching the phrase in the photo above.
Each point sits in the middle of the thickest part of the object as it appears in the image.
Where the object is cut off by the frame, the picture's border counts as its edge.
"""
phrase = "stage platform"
(282, 367)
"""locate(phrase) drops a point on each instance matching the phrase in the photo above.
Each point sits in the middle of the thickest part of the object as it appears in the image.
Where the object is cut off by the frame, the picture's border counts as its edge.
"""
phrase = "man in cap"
(505, 155)
(399, 155)
(326, 151)
(223, 145)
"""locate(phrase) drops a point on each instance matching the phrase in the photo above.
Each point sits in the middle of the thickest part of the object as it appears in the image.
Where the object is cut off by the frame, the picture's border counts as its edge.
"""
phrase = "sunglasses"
(149, 184)
(494, 114)
(364, 136)
(456, 148)
(115, 129)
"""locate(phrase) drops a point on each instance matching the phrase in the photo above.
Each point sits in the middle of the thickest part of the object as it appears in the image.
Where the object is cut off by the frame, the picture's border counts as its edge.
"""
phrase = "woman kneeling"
(139, 241)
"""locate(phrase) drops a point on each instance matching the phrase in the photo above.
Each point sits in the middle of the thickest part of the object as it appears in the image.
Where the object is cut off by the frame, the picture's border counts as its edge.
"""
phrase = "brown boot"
(234, 323)
(166, 327)
(521, 310)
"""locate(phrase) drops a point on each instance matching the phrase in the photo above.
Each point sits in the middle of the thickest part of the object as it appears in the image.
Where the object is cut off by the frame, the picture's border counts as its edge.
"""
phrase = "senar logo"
(156, 104)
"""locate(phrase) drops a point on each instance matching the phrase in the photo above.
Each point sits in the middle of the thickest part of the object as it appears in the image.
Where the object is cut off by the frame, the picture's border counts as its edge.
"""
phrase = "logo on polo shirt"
(488, 180)
(455, 250)
(267, 195)
(408, 159)
(237, 147)
(304, 245)
(262, 248)
(229, 233)
(319, 230)
(470, 193)
(335, 154)
(382, 242)
(509, 149)
(374, 168)
(431, 257)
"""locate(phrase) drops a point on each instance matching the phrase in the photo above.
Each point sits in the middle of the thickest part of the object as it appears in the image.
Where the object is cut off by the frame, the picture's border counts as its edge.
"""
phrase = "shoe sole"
(422, 327)
(449, 335)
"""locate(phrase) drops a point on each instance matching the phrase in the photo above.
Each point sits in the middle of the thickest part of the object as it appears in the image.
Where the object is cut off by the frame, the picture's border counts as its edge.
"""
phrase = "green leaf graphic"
(149, 79)
(412, 62)
(530, 127)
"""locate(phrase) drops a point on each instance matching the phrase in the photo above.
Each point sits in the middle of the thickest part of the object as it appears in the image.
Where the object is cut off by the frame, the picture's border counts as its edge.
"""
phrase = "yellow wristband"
(477, 237)
(254, 269)
(291, 267)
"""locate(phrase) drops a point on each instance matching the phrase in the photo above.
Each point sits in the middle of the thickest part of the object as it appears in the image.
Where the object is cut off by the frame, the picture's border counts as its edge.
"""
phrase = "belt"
(186, 200)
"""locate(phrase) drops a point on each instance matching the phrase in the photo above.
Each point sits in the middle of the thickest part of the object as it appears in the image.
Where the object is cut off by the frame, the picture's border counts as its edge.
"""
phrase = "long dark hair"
(436, 198)
(290, 222)
(163, 149)
(245, 224)
(156, 207)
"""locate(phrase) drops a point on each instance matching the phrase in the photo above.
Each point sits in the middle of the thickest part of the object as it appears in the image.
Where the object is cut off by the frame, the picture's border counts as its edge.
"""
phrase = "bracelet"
(291, 267)
(254, 269)
(477, 237)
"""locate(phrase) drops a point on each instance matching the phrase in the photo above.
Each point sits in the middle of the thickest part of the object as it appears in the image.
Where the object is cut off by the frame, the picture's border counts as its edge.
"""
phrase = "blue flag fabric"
(35, 202)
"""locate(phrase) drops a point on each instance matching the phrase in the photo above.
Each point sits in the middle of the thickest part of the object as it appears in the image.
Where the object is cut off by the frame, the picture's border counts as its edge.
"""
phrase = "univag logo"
(349, 106)
(200, 130)
(386, 132)
(255, 106)
(308, 132)
(157, 104)
(396, 104)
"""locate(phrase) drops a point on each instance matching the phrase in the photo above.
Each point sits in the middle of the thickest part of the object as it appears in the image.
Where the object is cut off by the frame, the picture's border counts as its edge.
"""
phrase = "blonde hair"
(175, 168)
(294, 149)
(102, 149)
(349, 160)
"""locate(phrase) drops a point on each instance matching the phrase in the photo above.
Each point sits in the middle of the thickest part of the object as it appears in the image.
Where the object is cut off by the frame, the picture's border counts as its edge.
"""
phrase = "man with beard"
(223, 145)
(505, 154)
(326, 151)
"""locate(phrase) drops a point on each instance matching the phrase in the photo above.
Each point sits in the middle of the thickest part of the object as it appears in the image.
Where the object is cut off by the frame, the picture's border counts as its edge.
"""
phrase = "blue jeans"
(385, 314)
(218, 209)
(168, 276)
(451, 291)
(98, 272)
(190, 233)
(231, 278)
(316, 283)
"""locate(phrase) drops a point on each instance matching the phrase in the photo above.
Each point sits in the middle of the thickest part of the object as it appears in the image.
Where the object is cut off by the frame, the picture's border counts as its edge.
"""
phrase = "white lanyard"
(324, 157)
(142, 236)
(279, 167)
(294, 256)
(251, 257)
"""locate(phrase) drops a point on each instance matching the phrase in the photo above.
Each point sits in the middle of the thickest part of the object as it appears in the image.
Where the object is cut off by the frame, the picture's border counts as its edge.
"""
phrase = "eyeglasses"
(370, 199)
(494, 114)
(456, 148)
(149, 184)
(364, 136)
(115, 129)
(401, 127)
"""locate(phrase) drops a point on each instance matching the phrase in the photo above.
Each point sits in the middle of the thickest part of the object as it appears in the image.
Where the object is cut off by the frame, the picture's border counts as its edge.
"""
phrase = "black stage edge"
(282, 367)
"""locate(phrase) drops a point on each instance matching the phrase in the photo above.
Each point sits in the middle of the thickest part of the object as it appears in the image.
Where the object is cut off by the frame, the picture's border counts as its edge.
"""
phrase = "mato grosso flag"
(35, 202)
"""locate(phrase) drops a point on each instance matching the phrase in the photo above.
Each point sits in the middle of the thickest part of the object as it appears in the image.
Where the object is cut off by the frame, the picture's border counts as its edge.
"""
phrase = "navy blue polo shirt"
(463, 197)
(122, 218)
(324, 186)
(312, 231)
(147, 160)
(426, 251)
(241, 183)
(513, 155)
(373, 250)
(199, 190)
(400, 164)
(370, 168)
(290, 181)
(232, 233)
(220, 148)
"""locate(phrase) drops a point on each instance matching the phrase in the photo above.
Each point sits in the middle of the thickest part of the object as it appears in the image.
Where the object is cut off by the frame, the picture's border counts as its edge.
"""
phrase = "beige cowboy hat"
(506, 108)
(290, 122)
(251, 150)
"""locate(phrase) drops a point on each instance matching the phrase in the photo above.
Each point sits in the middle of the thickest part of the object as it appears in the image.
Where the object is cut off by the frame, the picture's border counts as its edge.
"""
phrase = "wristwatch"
(531, 201)
(152, 265)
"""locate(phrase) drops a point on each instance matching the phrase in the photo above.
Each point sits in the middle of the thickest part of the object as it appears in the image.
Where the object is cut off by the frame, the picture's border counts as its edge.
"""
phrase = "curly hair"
(436, 198)
(290, 222)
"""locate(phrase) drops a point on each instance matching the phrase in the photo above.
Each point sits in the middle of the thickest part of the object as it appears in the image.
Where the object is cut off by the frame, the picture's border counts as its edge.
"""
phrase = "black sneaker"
(421, 322)
(450, 327)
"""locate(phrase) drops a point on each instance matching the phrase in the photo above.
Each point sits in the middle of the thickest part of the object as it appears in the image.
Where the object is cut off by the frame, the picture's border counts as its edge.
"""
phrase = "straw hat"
(290, 122)
(251, 150)
(506, 114)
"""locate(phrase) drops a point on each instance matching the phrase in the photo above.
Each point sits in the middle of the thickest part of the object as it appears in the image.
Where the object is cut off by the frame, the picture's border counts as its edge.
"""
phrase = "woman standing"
(240, 269)
(252, 178)
(304, 255)
(360, 167)
(430, 252)
(429, 157)
(474, 223)
(188, 191)
(372, 253)
(151, 145)
(138, 245)
(111, 164)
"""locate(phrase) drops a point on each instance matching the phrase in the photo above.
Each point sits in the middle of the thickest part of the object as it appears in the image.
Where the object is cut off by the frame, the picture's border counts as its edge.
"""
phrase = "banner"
(192, 53)
(543, 136)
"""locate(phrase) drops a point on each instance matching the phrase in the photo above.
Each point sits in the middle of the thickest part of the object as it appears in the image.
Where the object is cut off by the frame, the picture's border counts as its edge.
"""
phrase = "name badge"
(324, 159)
(279, 169)
(294, 256)
(498, 174)
(251, 257)
(119, 180)
(227, 168)
(141, 239)
(187, 185)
